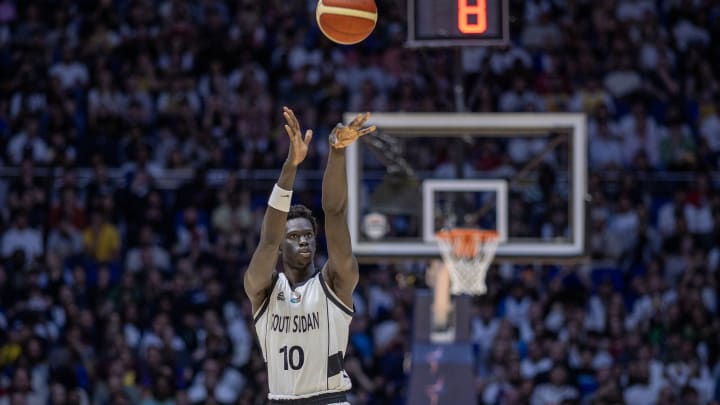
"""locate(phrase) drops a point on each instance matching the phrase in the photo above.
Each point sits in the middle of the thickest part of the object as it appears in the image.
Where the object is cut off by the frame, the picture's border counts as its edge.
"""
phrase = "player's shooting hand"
(342, 135)
(298, 145)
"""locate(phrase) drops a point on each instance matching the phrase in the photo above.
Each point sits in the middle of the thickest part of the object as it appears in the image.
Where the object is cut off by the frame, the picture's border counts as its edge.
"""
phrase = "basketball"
(346, 22)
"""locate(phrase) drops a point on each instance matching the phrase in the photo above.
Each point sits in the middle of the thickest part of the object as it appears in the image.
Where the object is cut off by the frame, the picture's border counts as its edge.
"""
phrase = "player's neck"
(298, 276)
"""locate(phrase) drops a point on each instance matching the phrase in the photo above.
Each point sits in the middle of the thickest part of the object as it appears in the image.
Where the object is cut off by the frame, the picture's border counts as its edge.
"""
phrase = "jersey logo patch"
(281, 296)
(295, 297)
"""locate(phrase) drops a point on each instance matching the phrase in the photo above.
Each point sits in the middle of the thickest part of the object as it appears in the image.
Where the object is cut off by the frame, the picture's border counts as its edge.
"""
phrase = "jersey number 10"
(294, 358)
(472, 18)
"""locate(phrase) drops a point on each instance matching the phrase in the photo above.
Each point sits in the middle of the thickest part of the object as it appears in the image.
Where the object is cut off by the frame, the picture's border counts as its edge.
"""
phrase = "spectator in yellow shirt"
(101, 239)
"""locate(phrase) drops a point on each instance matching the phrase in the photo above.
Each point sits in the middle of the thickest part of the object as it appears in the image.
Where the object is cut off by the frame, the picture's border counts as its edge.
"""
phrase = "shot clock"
(457, 23)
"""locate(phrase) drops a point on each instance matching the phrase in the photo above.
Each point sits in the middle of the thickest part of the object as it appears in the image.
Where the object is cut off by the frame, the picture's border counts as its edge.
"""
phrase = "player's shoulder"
(330, 293)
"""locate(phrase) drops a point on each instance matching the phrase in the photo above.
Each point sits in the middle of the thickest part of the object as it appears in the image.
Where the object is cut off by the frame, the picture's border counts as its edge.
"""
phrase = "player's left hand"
(342, 136)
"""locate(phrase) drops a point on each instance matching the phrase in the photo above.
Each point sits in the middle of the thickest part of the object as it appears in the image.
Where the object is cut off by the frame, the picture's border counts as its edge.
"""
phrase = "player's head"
(301, 211)
(298, 247)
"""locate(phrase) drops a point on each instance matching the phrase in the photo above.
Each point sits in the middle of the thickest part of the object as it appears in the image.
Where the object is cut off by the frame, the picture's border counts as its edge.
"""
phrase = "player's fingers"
(365, 117)
(308, 136)
(295, 122)
(367, 130)
(356, 122)
(361, 119)
(289, 131)
(290, 118)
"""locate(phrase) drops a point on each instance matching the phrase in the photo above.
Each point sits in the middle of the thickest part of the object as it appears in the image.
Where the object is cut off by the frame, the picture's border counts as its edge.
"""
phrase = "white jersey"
(303, 333)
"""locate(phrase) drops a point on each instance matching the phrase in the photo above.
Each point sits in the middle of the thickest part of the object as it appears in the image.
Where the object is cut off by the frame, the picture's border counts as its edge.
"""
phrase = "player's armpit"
(342, 283)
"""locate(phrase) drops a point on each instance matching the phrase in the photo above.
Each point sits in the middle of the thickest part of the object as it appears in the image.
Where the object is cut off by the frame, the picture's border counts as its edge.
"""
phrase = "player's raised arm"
(259, 276)
(341, 270)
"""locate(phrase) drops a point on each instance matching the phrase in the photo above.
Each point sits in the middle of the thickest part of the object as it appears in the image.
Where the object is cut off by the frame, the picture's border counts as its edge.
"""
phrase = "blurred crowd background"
(140, 139)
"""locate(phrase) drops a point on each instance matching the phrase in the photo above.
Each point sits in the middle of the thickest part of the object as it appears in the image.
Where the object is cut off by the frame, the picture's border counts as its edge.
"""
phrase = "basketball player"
(302, 315)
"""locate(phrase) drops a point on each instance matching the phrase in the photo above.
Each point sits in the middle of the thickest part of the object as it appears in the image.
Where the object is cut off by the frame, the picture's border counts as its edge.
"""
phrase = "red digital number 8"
(479, 10)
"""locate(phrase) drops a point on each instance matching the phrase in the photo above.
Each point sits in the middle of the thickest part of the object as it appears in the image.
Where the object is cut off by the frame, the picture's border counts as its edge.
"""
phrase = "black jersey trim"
(266, 301)
(331, 296)
(302, 283)
(335, 364)
(322, 399)
(327, 316)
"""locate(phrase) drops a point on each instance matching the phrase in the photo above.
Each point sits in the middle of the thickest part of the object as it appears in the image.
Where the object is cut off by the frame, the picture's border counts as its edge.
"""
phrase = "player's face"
(298, 248)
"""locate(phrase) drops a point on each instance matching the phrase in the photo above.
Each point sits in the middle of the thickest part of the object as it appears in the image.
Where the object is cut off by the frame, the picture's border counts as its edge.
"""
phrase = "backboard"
(524, 175)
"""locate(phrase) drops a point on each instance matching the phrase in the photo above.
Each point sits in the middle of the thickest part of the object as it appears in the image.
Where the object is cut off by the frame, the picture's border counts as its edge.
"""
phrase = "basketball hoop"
(467, 253)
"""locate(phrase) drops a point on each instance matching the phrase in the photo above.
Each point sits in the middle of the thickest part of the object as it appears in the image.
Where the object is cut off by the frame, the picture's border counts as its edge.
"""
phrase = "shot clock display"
(457, 22)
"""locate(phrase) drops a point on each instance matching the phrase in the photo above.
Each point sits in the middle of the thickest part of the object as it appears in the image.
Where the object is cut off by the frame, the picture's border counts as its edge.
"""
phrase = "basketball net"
(467, 253)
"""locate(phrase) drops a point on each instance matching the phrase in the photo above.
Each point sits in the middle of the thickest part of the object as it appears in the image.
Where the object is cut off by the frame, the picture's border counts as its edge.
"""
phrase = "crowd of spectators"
(115, 290)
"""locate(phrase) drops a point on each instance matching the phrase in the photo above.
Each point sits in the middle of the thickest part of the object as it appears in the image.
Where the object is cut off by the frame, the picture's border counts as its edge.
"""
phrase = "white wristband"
(280, 199)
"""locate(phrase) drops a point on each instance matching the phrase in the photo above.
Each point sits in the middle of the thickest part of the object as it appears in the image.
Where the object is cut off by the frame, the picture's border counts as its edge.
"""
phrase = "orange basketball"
(346, 22)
